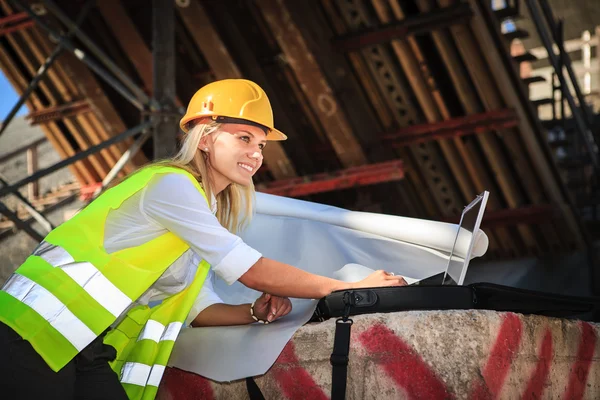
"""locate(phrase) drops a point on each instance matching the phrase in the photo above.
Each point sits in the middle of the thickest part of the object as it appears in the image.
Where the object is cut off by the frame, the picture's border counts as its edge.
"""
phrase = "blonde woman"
(95, 310)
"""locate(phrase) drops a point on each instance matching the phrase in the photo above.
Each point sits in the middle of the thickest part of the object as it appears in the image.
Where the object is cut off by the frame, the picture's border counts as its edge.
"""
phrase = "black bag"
(484, 296)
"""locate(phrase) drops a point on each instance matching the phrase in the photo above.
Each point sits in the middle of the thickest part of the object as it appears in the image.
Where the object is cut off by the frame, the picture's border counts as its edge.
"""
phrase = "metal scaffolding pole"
(79, 156)
(96, 51)
(20, 224)
(39, 217)
(163, 60)
(79, 53)
(580, 122)
(44, 68)
(566, 60)
(112, 174)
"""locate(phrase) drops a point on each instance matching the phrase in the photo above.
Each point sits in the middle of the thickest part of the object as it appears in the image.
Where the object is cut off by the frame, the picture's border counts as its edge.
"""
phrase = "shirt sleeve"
(173, 202)
(207, 297)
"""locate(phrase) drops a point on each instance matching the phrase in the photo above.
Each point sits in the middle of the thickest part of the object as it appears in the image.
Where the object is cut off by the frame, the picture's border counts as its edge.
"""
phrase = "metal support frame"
(347, 178)
(58, 112)
(93, 65)
(112, 174)
(95, 50)
(475, 123)
(163, 60)
(79, 156)
(565, 59)
(19, 223)
(44, 68)
(39, 217)
(14, 22)
(422, 23)
(580, 121)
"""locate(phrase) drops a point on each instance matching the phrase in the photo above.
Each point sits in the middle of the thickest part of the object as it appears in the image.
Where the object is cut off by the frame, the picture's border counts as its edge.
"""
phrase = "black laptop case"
(483, 296)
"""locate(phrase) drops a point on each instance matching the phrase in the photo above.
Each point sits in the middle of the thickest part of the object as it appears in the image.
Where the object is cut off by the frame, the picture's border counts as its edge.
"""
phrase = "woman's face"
(235, 153)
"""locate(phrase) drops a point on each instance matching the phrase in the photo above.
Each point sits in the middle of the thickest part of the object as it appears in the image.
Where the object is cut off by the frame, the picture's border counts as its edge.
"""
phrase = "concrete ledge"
(427, 355)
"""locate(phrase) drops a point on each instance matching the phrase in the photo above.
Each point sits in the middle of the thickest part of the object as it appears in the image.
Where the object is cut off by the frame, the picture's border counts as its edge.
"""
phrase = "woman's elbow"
(251, 277)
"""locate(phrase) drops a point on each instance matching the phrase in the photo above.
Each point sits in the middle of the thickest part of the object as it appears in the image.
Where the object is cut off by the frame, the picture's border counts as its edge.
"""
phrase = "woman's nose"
(257, 155)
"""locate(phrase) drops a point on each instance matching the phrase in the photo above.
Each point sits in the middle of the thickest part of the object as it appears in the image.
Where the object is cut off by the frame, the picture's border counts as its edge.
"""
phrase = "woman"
(83, 295)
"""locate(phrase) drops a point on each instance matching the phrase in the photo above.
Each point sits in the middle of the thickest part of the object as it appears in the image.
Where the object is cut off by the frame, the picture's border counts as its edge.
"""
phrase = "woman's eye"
(245, 139)
(261, 146)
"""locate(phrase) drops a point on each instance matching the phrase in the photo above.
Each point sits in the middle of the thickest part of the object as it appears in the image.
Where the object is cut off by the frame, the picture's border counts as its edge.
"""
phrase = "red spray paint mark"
(581, 367)
(182, 385)
(500, 359)
(402, 363)
(535, 387)
(294, 381)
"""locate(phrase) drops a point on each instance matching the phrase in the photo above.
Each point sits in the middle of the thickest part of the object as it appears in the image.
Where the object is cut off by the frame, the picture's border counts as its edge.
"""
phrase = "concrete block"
(427, 355)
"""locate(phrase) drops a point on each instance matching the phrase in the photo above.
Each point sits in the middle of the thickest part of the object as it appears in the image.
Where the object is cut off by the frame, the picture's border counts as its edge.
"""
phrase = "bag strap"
(253, 390)
(339, 358)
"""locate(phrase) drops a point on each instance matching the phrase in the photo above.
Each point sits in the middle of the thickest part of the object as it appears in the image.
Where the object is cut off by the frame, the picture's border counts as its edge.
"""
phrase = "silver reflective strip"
(142, 374)
(154, 330)
(51, 309)
(54, 255)
(172, 331)
(135, 373)
(156, 375)
(87, 276)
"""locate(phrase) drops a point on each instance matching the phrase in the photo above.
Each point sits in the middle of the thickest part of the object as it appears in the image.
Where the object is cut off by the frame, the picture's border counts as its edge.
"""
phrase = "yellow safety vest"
(71, 290)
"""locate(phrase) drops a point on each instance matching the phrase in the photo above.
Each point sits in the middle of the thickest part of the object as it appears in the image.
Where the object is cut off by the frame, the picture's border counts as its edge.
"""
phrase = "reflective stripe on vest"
(51, 309)
(87, 276)
(141, 374)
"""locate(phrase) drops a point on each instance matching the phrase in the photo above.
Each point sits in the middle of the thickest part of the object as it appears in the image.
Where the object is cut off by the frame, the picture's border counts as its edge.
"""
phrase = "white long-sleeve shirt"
(170, 202)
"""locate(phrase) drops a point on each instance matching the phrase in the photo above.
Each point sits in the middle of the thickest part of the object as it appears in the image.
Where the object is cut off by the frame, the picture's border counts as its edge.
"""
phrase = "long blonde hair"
(235, 204)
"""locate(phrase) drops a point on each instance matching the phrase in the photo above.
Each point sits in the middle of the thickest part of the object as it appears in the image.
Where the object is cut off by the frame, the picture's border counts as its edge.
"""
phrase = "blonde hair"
(235, 204)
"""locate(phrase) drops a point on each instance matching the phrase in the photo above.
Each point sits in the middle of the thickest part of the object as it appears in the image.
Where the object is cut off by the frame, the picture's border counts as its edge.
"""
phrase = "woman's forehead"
(254, 130)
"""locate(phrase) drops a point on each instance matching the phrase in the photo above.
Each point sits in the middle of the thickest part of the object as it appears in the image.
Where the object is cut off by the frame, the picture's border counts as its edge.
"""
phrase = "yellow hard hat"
(230, 100)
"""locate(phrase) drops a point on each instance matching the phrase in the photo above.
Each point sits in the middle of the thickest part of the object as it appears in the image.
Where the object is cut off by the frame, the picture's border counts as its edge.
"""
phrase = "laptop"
(456, 269)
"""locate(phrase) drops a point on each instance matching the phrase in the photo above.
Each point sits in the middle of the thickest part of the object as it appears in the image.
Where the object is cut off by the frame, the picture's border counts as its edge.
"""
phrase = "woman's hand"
(269, 308)
(380, 278)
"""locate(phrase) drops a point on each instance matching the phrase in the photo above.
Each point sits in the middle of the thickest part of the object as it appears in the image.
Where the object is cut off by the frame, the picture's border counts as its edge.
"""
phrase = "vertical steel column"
(163, 60)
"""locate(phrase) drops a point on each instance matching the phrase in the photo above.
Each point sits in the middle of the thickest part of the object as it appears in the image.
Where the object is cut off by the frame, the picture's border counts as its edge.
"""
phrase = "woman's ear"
(203, 144)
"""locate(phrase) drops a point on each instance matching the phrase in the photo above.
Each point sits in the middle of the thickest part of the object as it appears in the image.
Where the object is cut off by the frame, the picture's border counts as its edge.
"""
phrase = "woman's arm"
(266, 307)
(280, 279)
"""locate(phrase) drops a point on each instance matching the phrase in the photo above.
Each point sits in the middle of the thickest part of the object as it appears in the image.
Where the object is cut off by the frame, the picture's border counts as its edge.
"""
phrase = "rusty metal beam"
(15, 27)
(423, 23)
(475, 123)
(59, 112)
(347, 178)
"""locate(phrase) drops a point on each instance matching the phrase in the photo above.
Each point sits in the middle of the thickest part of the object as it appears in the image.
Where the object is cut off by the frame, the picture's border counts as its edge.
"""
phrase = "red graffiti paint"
(402, 363)
(295, 382)
(535, 387)
(183, 385)
(498, 363)
(581, 368)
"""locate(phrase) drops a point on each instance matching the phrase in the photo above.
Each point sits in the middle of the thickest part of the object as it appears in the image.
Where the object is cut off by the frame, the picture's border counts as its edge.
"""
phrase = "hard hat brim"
(272, 135)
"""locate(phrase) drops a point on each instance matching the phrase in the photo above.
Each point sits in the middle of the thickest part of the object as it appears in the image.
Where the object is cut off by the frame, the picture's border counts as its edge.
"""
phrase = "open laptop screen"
(469, 223)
